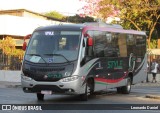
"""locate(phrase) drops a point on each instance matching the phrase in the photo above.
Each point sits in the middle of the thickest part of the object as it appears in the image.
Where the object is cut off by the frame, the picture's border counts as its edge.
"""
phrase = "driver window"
(62, 43)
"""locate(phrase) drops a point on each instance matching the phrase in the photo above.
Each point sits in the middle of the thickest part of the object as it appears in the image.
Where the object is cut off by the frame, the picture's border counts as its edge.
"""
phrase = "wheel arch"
(130, 75)
(91, 80)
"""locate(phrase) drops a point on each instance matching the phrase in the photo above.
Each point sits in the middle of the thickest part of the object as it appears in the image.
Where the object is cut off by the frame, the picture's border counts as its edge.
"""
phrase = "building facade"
(21, 22)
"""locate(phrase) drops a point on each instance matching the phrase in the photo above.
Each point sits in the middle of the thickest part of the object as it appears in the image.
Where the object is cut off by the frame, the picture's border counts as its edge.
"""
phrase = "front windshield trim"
(67, 58)
(58, 55)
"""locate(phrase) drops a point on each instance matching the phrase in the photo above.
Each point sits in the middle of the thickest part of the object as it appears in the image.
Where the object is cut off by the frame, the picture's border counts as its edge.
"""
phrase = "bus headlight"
(26, 78)
(68, 79)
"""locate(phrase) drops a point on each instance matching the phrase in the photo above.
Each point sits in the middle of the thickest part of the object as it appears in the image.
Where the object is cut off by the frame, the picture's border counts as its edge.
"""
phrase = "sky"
(67, 7)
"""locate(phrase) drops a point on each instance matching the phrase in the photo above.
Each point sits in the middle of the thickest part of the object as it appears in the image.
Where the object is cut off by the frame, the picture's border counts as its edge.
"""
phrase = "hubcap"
(129, 86)
(88, 90)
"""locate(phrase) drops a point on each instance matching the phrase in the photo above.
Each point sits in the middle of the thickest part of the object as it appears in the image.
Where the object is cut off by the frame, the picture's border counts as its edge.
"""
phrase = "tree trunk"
(148, 42)
(150, 34)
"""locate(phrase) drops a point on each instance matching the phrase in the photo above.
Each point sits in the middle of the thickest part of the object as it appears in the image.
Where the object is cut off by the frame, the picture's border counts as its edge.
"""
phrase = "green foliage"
(55, 14)
(78, 19)
(73, 19)
(8, 47)
(10, 56)
(135, 14)
(153, 44)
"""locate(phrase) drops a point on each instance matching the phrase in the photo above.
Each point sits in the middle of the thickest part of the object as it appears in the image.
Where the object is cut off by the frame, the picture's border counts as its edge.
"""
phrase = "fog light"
(26, 78)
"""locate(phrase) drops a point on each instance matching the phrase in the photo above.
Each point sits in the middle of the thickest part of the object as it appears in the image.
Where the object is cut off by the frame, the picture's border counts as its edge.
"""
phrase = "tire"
(84, 97)
(119, 89)
(40, 96)
(126, 89)
(91, 86)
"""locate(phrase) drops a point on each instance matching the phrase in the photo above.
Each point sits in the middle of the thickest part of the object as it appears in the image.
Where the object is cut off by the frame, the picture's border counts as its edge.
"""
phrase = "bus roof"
(85, 28)
(114, 30)
(62, 27)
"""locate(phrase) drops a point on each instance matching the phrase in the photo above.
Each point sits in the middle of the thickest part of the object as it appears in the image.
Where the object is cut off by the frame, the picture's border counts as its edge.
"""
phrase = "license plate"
(46, 92)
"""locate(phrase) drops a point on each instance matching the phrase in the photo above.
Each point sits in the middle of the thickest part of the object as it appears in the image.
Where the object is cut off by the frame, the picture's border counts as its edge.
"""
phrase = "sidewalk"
(5, 84)
(147, 84)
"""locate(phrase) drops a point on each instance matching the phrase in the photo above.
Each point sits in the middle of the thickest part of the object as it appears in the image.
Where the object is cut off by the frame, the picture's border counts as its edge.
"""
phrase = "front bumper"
(72, 87)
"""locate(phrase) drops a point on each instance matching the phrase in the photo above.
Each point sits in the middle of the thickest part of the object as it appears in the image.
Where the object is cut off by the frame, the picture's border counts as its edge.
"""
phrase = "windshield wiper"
(39, 56)
(51, 54)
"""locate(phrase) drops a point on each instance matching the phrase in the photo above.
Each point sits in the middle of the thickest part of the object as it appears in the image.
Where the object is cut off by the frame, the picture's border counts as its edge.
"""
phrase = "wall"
(21, 26)
(10, 76)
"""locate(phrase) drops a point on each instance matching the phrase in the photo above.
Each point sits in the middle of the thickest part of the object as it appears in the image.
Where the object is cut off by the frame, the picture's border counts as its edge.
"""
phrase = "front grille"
(53, 88)
(46, 80)
(46, 73)
(47, 69)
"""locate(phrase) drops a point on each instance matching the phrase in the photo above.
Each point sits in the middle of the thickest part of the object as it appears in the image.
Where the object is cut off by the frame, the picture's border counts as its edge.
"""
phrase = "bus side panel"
(141, 72)
(93, 69)
(107, 72)
(119, 84)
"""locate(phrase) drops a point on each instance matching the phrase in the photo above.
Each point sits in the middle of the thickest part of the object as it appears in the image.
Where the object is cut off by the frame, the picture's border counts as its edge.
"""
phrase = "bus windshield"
(53, 46)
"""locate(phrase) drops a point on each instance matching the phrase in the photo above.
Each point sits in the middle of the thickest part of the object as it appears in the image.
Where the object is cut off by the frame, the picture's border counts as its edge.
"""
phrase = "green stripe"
(102, 83)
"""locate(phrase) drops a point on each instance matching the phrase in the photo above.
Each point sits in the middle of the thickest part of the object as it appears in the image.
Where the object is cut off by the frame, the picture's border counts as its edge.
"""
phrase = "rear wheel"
(119, 89)
(40, 96)
(126, 89)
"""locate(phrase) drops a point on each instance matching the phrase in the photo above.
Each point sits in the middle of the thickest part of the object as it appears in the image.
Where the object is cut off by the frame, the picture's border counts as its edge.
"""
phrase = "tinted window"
(140, 45)
(100, 43)
(131, 43)
(111, 48)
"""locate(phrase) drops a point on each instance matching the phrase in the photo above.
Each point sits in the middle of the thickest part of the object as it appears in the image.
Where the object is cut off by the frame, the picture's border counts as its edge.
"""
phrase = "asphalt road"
(137, 96)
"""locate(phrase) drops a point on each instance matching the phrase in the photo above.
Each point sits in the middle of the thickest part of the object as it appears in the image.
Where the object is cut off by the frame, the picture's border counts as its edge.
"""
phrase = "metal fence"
(10, 62)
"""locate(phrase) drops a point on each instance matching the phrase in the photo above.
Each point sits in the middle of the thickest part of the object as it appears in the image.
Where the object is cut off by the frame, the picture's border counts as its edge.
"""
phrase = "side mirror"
(25, 43)
(24, 46)
(89, 40)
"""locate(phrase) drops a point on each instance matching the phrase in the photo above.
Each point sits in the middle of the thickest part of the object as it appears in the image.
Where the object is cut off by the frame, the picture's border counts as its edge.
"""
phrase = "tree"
(90, 8)
(134, 14)
(55, 14)
(78, 19)
(98, 9)
(140, 15)
(8, 47)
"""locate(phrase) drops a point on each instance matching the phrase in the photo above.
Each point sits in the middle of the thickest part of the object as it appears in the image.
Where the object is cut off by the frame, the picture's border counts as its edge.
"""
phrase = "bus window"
(111, 49)
(131, 44)
(140, 45)
(122, 45)
(62, 43)
(33, 49)
(100, 43)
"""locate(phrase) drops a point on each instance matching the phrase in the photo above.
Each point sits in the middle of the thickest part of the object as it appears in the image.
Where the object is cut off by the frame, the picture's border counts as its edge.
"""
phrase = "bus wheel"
(119, 89)
(40, 96)
(126, 89)
(84, 97)
(91, 86)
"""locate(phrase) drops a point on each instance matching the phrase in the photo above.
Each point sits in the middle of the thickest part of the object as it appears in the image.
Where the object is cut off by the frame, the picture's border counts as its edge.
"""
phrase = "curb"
(13, 86)
(153, 96)
(10, 86)
(147, 84)
(4, 84)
